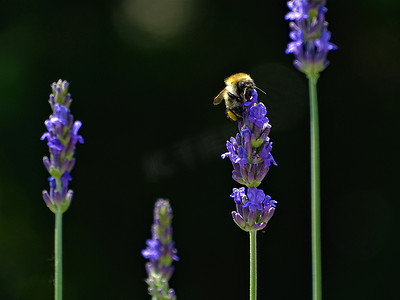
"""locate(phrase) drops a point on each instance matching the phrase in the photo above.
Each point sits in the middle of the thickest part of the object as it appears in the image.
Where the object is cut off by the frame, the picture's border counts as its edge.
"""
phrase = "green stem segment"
(253, 265)
(315, 189)
(58, 256)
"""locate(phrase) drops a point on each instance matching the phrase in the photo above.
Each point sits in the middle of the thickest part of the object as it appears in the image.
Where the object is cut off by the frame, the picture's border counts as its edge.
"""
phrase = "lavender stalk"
(62, 137)
(310, 46)
(161, 253)
(251, 158)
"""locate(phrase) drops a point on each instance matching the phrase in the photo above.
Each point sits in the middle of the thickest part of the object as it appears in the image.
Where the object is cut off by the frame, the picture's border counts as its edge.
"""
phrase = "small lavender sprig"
(161, 253)
(310, 46)
(62, 137)
(310, 36)
(251, 158)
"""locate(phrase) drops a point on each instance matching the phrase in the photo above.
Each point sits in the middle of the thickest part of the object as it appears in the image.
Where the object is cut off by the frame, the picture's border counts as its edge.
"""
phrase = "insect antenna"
(260, 90)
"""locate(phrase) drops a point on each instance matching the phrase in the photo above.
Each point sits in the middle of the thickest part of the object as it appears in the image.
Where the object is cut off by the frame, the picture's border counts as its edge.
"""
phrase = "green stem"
(253, 265)
(58, 256)
(315, 189)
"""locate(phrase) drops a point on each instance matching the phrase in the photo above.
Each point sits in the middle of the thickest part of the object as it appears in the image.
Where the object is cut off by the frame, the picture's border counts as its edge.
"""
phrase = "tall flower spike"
(251, 158)
(250, 155)
(62, 137)
(309, 34)
(161, 253)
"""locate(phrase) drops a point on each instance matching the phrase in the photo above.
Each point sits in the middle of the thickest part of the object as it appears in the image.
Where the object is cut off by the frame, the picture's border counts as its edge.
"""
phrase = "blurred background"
(143, 74)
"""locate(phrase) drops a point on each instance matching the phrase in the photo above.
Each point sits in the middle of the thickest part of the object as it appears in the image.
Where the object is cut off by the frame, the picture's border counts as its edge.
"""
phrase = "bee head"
(246, 87)
(246, 84)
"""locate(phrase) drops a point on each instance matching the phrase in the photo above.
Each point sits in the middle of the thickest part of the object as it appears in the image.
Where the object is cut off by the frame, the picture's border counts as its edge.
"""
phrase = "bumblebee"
(237, 90)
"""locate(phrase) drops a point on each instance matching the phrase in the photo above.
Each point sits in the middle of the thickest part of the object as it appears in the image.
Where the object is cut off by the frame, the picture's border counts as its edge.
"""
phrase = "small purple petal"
(238, 194)
(259, 226)
(57, 197)
(69, 196)
(251, 217)
(52, 182)
(45, 135)
(75, 128)
(256, 198)
(238, 218)
(47, 163)
(46, 198)
(253, 99)
(55, 144)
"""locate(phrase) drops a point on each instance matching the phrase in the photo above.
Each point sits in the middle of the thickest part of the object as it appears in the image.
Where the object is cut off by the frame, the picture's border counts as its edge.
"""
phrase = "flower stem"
(315, 189)
(253, 265)
(58, 256)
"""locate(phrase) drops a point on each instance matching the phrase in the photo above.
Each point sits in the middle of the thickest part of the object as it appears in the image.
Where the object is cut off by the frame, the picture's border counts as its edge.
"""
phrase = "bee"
(237, 90)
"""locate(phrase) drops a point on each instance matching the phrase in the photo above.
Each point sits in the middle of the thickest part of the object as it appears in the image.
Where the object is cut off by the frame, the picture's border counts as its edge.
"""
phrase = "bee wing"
(218, 99)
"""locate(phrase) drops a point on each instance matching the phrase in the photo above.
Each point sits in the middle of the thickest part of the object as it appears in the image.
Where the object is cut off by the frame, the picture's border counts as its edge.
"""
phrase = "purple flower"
(153, 250)
(309, 34)
(238, 194)
(62, 137)
(299, 10)
(161, 253)
(250, 155)
(254, 210)
(250, 151)
(255, 199)
(257, 115)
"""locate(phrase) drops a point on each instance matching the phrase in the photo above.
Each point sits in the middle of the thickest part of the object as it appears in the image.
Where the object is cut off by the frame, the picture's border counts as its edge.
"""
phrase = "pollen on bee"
(232, 115)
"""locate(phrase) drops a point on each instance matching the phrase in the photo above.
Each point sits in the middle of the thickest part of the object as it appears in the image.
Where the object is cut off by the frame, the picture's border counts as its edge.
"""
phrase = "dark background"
(143, 75)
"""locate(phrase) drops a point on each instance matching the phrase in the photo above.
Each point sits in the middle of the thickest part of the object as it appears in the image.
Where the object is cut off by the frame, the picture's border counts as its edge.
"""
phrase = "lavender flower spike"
(250, 155)
(310, 36)
(62, 137)
(161, 253)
